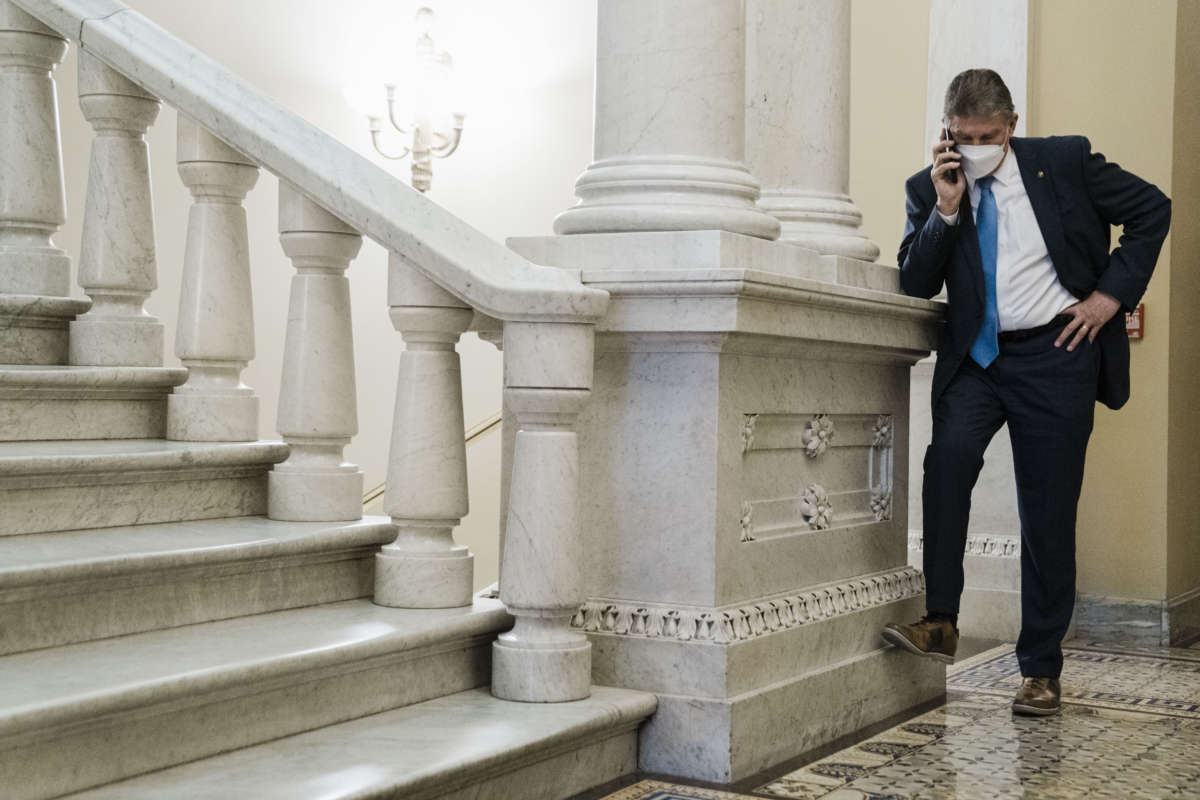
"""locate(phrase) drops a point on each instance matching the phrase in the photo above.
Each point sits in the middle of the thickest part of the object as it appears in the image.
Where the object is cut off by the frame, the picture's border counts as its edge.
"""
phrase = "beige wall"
(1183, 426)
(888, 65)
(1105, 68)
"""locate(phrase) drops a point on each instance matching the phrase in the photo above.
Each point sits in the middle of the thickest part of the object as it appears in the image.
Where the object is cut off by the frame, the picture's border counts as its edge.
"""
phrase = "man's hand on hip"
(1090, 315)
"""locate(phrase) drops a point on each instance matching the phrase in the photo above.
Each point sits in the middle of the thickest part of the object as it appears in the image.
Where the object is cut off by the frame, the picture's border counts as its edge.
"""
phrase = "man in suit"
(1018, 231)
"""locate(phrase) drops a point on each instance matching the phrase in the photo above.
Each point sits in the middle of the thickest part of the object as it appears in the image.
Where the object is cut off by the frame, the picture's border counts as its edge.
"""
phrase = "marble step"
(46, 402)
(87, 714)
(464, 746)
(70, 485)
(61, 588)
(34, 328)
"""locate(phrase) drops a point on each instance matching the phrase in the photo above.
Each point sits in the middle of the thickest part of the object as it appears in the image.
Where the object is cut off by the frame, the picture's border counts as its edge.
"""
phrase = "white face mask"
(980, 159)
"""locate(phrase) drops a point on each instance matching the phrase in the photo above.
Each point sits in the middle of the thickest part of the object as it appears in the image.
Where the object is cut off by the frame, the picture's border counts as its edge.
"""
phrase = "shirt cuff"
(950, 220)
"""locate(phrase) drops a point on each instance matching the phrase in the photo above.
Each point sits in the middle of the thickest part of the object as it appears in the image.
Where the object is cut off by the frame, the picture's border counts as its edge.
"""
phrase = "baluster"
(215, 338)
(116, 259)
(547, 379)
(427, 468)
(317, 400)
(32, 198)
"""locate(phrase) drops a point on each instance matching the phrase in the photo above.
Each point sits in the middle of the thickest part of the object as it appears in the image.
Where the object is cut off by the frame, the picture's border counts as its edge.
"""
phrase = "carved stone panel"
(837, 469)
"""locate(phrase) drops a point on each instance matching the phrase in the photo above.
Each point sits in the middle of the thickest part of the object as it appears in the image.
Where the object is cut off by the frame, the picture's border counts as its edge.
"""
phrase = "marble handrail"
(480, 271)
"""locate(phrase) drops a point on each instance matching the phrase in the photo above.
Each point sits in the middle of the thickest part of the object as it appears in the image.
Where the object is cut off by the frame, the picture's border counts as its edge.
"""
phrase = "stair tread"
(106, 455)
(36, 558)
(72, 377)
(48, 687)
(456, 737)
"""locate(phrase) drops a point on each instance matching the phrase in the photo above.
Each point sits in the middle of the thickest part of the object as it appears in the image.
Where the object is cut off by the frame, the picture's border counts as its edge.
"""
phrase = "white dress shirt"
(1028, 292)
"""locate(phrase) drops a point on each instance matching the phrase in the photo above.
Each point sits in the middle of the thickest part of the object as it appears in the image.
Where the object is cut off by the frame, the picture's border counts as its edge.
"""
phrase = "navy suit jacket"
(1076, 196)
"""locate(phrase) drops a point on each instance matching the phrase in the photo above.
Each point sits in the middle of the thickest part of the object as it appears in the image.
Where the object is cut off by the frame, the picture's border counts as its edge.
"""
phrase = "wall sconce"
(434, 126)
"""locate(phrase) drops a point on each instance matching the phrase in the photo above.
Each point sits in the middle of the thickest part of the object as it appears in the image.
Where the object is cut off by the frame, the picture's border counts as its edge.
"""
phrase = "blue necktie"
(986, 348)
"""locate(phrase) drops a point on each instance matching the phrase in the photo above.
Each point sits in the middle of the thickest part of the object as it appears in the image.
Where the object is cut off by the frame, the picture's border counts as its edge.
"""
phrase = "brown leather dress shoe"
(932, 638)
(1038, 697)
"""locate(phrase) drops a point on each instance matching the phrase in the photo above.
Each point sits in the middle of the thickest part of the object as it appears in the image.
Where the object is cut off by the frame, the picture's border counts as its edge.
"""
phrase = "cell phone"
(945, 136)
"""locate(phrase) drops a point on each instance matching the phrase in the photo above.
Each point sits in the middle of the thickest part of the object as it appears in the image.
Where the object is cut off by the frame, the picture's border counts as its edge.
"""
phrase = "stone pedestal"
(744, 505)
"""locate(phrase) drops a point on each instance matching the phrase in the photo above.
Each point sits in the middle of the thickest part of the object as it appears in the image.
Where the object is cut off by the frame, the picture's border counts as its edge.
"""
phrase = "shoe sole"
(1035, 711)
(892, 636)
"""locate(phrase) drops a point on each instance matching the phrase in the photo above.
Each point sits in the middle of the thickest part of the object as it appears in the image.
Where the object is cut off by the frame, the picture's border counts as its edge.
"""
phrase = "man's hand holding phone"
(948, 175)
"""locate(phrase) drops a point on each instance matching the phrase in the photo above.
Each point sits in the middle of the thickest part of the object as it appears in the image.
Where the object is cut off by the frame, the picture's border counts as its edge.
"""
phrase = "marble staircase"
(187, 610)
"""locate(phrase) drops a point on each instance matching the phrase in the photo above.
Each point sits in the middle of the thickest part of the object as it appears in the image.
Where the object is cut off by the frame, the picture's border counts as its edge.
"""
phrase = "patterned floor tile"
(1130, 728)
(658, 790)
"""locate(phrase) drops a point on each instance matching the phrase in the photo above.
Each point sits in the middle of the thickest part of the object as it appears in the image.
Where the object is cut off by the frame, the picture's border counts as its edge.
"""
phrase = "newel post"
(215, 338)
(427, 465)
(116, 261)
(547, 380)
(32, 198)
(318, 404)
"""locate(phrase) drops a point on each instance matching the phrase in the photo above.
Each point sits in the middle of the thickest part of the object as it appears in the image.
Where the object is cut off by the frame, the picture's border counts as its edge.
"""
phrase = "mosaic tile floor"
(1130, 728)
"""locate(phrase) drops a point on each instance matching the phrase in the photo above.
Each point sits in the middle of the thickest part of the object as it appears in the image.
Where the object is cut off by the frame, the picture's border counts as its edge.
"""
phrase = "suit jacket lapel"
(1039, 187)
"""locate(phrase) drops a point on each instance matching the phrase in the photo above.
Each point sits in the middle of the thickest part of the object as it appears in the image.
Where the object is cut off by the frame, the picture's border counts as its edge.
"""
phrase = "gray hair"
(978, 93)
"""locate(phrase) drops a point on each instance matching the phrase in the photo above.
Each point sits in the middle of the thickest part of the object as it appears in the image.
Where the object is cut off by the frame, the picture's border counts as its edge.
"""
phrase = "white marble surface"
(427, 461)
(47, 402)
(318, 400)
(63, 485)
(964, 34)
(33, 328)
(156, 699)
(215, 334)
(466, 261)
(798, 121)
(61, 588)
(117, 265)
(32, 196)
(421, 752)
(669, 145)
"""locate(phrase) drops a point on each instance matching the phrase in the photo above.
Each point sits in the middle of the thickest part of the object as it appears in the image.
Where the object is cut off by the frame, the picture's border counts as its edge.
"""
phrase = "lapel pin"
(1041, 174)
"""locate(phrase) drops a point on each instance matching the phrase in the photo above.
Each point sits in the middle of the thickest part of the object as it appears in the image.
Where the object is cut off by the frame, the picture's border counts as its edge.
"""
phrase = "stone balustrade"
(443, 274)
(117, 265)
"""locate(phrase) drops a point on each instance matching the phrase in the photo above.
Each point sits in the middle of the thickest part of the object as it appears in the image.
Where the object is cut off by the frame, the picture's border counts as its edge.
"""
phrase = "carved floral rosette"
(816, 508)
(722, 626)
(881, 503)
(748, 432)
(883, 431)
(747, 521)
(818, 434)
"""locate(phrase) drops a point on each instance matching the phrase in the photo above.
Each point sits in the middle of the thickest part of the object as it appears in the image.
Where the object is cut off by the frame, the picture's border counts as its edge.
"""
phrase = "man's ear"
(1012, 125)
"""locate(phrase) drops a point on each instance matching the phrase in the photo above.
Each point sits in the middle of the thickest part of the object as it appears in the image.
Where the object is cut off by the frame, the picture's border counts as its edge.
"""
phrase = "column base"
(318, 496)
(212, 417)
(663, 193)
(826, 223)
(541, 675)
(418, 580)
(135, 342)
(35, 271)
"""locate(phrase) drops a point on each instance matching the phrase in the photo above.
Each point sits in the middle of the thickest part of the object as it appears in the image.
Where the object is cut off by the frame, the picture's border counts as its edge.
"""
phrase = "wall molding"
(744, 622)
(978, 544)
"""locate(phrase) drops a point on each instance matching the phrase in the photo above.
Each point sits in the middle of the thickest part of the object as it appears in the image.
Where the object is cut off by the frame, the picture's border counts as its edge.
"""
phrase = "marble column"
(117, 267)
(427, 464)
(669, 143)
(798, 122)
(318, 412)
(32, 197)
(215, 338)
